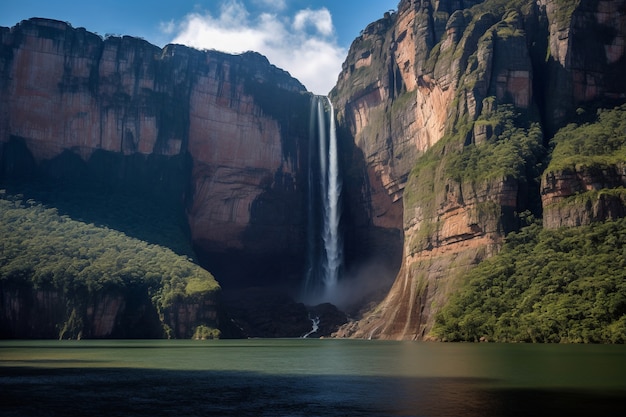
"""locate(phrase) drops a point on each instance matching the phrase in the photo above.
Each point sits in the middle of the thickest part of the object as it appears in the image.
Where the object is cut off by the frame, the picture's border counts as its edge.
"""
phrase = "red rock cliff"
(238, 117)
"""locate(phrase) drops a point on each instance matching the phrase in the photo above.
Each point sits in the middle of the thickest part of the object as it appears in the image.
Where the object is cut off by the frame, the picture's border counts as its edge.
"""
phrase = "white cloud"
(303, 44)
(319, 19)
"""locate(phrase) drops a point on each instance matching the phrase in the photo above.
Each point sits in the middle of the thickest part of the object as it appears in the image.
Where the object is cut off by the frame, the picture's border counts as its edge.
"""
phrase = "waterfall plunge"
(325, 246)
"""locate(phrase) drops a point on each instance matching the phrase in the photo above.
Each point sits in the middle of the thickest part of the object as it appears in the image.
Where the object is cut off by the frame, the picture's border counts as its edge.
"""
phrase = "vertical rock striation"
(585, 56)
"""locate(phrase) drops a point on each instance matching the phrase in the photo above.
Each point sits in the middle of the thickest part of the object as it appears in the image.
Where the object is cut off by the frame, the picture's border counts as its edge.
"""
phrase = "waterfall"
(331, 208)
(325, 246)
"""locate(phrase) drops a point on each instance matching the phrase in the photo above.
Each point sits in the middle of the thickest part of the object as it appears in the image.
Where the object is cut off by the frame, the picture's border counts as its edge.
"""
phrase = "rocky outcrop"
(427, 88)
(184, 316)
(586, 179)
(575, 197)
(219, 133)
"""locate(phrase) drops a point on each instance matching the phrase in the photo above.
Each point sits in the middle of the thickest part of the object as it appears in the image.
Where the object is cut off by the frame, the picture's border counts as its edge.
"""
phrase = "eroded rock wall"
(586, 56)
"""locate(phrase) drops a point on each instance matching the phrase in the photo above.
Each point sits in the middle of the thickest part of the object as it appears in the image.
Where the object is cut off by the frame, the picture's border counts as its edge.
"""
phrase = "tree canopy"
(45, 249)
(564, 285)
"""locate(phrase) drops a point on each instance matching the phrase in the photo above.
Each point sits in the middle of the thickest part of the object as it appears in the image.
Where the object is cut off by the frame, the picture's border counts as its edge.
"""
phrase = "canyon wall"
(223, 135)
(452, 104)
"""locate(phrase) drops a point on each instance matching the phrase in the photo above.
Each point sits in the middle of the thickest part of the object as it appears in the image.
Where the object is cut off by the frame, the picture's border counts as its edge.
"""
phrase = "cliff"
(221, 138)
(115, 312)
(42, 313)
(219, 134)
(453, 104)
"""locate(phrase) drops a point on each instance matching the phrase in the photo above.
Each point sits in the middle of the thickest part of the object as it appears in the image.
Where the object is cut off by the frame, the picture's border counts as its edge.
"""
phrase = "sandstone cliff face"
(425, 84)
(398, 84)
(238, 119)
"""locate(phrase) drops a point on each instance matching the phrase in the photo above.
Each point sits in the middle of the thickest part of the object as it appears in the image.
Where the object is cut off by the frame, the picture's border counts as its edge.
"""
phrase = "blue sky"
(308, 38)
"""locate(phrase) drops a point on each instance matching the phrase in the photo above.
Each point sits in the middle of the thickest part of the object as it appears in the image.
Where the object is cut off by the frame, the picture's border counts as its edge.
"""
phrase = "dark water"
(309, 378)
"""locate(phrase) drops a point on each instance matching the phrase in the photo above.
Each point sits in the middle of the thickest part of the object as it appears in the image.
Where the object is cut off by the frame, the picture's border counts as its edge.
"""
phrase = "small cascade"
(325, 246)
(315, 326)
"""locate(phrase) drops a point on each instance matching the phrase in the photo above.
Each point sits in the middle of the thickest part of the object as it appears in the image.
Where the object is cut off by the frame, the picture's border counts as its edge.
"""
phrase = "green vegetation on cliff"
(599, 144)
(45, 250)
(564, 285)
(595, 151)
(510, 151)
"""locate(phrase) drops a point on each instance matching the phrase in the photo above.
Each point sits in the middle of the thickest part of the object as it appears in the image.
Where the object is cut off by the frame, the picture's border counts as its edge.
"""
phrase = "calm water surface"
(309, 377)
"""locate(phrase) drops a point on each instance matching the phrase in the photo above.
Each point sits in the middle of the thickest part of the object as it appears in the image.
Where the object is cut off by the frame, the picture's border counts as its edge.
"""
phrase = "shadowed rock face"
(49, 313)
(119, 313)
(587, 54)
(429, 72)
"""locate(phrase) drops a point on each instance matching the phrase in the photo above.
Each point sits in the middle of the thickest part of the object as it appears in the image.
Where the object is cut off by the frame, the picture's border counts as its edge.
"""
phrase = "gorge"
(442, 136)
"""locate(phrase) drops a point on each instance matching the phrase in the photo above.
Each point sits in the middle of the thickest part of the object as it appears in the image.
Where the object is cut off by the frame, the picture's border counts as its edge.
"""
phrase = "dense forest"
(564, 285)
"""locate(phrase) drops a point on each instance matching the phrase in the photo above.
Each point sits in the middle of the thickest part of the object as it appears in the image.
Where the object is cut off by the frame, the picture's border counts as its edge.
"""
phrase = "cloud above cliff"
(301, 42)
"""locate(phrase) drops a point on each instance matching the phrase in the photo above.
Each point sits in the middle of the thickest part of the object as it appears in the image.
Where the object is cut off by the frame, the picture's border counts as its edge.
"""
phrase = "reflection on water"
(309, 378)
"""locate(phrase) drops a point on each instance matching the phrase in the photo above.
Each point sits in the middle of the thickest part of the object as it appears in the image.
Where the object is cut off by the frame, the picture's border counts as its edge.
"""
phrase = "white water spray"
(325, 246)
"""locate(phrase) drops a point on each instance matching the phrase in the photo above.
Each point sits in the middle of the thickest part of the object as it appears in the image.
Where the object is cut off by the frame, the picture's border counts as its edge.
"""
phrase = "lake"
(309, 377)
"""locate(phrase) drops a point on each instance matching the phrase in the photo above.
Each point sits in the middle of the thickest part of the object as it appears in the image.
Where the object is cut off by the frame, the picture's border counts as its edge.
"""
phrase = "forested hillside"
(83, 262)
(565, 285)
